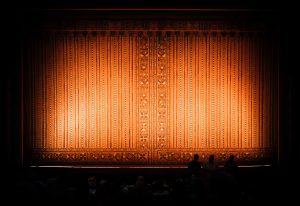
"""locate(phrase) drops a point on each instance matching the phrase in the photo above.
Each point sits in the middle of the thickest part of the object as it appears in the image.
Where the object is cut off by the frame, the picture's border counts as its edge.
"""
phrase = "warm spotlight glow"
(138, 97)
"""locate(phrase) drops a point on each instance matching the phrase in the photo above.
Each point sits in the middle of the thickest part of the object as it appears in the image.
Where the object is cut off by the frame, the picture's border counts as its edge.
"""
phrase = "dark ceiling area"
(178, 4)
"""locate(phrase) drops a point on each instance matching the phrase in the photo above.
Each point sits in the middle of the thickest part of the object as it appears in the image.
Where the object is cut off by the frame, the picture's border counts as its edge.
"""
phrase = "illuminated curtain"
(138, 97)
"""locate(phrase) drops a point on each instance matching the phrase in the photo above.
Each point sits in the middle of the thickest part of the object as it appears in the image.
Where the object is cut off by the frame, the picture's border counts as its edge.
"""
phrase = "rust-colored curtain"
(138, 97)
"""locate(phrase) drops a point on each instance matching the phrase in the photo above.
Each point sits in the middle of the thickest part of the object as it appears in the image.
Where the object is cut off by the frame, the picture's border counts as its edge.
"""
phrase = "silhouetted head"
(231, 157)
(211, 158)
(92, 181)
(196, 156)
(140, 182)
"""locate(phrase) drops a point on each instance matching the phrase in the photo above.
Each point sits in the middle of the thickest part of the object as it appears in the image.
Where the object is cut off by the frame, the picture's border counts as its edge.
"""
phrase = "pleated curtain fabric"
(149, 97)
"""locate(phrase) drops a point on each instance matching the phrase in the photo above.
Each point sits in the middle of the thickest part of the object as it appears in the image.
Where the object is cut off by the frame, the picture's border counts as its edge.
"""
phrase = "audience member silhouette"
(195, 165)
(92, 188)
(210, 165)
(231, 165)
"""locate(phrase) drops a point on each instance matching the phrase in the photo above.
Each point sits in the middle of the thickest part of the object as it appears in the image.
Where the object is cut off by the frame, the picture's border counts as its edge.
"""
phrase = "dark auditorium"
(162, 102)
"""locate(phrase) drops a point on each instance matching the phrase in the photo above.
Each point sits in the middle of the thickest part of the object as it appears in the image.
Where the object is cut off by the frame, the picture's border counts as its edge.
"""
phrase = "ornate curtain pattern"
(149, 97)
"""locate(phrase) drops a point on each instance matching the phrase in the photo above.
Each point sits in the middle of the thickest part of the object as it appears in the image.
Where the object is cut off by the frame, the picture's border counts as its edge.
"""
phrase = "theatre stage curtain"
(149, 97)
